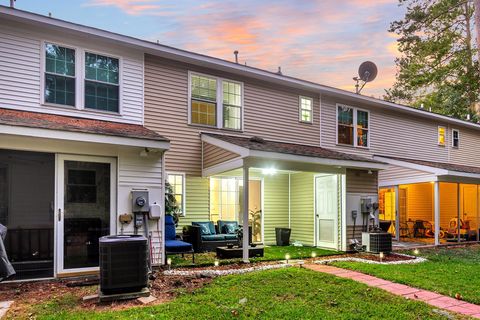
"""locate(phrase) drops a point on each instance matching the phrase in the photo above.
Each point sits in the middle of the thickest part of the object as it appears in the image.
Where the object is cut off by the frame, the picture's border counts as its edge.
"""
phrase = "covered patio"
(286, 185)
(430, 202)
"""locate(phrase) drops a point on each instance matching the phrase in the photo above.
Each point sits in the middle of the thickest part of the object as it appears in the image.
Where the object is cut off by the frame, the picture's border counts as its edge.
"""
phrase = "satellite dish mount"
(367, 72)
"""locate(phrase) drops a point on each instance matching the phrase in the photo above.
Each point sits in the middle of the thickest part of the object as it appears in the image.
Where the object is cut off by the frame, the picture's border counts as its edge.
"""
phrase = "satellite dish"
(367, 72)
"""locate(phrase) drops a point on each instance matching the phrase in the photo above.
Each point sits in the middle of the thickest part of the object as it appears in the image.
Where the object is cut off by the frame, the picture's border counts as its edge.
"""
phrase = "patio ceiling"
(225, 152)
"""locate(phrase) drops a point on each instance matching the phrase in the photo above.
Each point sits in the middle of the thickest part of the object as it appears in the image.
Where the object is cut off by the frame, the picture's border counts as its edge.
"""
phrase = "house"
(87, 116)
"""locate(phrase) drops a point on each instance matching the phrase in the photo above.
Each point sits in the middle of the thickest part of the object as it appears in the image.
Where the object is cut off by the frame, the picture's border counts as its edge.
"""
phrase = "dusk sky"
(322, 41)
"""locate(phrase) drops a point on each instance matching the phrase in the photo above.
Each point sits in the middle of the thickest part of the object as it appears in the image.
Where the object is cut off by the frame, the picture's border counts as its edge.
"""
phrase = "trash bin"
(282, 236)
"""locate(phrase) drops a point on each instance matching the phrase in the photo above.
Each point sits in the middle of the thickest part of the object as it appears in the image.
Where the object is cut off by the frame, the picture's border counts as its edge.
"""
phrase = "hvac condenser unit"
(377, 242)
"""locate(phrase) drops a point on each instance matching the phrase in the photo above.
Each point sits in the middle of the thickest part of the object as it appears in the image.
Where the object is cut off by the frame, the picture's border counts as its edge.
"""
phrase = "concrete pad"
(147, 300)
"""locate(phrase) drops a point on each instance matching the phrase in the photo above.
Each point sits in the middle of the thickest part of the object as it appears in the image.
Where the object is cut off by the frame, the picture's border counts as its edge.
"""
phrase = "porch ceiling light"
(269, 171)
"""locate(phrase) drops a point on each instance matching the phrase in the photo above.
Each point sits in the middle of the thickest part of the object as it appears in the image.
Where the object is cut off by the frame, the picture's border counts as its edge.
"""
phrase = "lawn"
(291, 293)
(271, 253)
(448, 271)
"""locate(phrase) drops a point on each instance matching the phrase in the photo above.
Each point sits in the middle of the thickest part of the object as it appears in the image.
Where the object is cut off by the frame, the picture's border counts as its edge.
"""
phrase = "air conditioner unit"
(377, 242)
(123, 264)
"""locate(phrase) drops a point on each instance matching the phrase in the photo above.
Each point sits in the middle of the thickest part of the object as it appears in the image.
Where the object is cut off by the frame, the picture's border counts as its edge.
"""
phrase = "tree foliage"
(438, 66)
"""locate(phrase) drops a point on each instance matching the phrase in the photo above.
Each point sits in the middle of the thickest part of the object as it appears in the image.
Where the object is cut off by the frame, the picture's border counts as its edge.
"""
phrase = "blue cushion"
(177, 246)
(231, 236)
(228, 227)
(213, 237)
(206, 227)
(170, 233)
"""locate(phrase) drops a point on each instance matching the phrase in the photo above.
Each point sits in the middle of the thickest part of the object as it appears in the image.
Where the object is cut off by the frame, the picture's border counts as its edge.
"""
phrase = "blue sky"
(322, 41)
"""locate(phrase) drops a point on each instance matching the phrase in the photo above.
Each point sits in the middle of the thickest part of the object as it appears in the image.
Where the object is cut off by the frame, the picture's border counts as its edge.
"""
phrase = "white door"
(86, 206)
(327, 210)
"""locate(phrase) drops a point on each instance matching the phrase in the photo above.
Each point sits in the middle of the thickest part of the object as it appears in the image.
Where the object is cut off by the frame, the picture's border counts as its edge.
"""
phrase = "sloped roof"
(259, 144)
(74, 124)
(439, 165)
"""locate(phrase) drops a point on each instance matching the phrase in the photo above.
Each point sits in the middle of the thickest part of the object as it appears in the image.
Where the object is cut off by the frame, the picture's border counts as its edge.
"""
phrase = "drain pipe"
(160, 221)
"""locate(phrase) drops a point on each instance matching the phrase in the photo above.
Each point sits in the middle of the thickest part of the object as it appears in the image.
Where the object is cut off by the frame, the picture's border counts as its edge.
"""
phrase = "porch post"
(246, 230)
(397, 214)
(436, 199)
(459, 216)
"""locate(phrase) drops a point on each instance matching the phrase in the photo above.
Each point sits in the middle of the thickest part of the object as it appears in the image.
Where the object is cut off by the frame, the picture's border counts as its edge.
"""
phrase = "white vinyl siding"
(22, 65)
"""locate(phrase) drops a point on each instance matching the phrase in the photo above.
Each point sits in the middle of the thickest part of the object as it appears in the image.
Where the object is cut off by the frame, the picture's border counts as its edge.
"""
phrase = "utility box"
(140, 202)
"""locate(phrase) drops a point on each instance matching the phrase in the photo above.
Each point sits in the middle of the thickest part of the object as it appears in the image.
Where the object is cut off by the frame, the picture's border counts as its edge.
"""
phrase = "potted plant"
(171, 205)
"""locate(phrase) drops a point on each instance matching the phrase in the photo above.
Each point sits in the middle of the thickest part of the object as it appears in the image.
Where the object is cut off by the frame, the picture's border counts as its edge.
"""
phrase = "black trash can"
(282, 236)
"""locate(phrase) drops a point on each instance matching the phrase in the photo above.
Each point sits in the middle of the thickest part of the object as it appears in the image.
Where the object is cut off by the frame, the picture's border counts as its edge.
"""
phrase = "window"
(59, 75)
(215, 102)
(232, 105)
(81, 186)
(352, 126)
(224, 199)
(177, 182)
(306, 109)
(204, 100)
(455, 138)
(441, 136)
(101, 82)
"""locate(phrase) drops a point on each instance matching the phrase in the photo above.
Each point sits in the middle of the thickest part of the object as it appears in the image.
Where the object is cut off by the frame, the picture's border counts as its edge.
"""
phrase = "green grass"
(448, 271)
(291, 293)
(271, 254)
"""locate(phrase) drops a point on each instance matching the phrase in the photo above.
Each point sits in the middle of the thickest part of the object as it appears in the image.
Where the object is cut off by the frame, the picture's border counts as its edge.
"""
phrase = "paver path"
(429, 297)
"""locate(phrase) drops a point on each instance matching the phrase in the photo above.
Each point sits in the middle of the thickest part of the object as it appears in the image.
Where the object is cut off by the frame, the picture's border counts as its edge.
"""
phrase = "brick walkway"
(429, 297)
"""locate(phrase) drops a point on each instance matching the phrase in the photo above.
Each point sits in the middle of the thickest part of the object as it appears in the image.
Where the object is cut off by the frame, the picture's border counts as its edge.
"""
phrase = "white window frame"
(300, 109)
(444, 136)
(80, 79)
(453, 139)
(172, 173)
(219, 102)
(355, 124)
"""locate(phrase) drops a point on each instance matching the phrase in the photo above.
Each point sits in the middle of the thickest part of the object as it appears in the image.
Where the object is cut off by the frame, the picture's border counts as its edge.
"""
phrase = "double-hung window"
(215, 102)
(177, 184)
(455, 138)
(101, 82)
(352, 126)
(306, 109)
(204, 100)
(59, 75)
(441, 136)
(232, 105)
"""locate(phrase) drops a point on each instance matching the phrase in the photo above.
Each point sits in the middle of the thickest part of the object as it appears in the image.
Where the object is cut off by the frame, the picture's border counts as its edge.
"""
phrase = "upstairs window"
(352, 126)
(232, 105)
(306, 109)
(101, 82)
(204, 100)
(216, 102)
(455, 138)
(59, 75)
(441, 136)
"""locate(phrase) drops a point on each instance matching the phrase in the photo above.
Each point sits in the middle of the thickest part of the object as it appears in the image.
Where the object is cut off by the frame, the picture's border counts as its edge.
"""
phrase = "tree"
(171, 205)
(438, 67)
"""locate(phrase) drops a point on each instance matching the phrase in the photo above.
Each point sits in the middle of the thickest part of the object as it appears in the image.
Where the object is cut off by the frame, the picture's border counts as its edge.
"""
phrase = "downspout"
(162, 206)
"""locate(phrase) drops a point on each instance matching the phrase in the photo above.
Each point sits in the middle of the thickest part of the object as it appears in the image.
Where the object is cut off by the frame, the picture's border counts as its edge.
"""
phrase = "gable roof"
(437, 165)
(259, 144)
(216, 63)
(29, 119)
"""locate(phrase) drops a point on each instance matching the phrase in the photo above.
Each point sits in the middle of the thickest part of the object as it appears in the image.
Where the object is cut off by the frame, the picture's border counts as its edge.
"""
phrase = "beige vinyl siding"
(213, 155)
(21, 72)
(302, 208)
(197, 207)
(420, 201)
(270, 112)
(469, 149)
(360, 181)
(394, 174)
(275, 205)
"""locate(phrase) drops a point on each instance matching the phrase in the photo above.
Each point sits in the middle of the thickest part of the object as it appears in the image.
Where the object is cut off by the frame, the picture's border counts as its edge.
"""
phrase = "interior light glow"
(269, 171)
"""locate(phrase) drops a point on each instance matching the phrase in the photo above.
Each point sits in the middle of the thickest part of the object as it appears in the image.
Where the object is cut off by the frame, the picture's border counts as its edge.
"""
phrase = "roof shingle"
(65, 123)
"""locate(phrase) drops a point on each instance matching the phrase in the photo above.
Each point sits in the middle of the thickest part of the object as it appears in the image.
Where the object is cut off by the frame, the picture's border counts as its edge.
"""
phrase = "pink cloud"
(133, 7)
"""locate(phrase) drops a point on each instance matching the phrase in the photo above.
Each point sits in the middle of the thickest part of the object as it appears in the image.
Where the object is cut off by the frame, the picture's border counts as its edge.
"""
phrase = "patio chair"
(173, 244)
(422, 229)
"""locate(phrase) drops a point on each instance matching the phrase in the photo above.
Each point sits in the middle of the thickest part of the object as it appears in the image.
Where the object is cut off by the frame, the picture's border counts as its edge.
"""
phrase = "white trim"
(444, 136)
(218, 102)
(218, 64)
(300, 98)
(334, 244)
(82, 137)
(355, 124)
(184, 184)
(453, 139)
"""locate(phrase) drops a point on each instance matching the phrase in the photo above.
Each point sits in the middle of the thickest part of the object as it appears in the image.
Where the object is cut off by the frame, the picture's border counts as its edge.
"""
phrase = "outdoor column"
(397, 215)
(246, 230)
(458, 213)
(436, 206)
